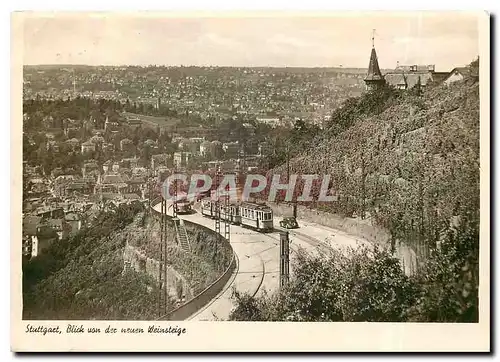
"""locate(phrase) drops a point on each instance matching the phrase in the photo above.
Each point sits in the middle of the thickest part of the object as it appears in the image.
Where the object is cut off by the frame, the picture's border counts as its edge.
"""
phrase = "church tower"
(374, 79)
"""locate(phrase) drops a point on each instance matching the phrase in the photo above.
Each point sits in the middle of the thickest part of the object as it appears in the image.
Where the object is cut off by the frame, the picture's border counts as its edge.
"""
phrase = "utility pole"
(217, 201)
(162, 268)
(363, 187)
(294, 202)
(74, 83)
(284, 258)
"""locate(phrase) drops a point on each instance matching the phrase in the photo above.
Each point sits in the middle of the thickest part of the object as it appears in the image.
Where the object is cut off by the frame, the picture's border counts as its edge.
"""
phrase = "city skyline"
(274, 40)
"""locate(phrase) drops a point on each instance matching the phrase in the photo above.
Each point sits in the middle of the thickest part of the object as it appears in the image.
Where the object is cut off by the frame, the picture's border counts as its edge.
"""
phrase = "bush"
(370, 286)
(360, 285)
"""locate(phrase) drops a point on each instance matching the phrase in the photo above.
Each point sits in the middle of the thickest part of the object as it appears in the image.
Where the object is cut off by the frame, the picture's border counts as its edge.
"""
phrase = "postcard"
(250, 181)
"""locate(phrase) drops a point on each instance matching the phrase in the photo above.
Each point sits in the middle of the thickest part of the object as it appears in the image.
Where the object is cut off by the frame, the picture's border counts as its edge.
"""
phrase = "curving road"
(258, 259)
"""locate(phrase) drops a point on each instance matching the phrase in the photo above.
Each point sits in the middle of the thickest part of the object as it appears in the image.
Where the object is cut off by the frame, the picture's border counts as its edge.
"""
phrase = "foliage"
(82, 277)
(450, 278)
(370, 103)
(409, 162)
(370, 286)
(359, 285)
(411, 169)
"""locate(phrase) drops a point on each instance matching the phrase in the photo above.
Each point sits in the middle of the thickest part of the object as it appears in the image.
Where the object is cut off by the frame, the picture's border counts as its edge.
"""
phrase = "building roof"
(396, 79)
(77, 185)
(72, 217)
(465, 71)
(110, 196)
(46, 232)
(30, 224)
(136, 180)
(373, 68)
(409, 80)
(112, 179)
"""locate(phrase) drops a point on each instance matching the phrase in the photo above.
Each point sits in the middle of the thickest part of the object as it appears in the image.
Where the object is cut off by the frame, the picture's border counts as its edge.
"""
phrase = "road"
(258, 259)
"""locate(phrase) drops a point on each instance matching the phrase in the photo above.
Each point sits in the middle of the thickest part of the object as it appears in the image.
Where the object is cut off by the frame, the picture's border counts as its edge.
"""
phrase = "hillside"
(82, 277)
(408, 162)
(413, 168)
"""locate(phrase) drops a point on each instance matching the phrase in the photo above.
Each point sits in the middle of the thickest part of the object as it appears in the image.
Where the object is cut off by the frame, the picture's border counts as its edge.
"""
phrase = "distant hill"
(188, 68)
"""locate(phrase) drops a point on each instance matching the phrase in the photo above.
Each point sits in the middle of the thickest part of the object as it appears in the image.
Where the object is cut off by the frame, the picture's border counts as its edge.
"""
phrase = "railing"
(206, 295)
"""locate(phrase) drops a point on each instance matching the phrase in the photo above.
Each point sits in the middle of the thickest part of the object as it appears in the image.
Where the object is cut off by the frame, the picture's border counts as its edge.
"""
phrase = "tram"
(247, 214)
(184, 207)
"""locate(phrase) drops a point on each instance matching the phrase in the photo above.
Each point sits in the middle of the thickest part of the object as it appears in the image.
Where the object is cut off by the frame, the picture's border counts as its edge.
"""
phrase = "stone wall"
(356, 227)
(138, 261)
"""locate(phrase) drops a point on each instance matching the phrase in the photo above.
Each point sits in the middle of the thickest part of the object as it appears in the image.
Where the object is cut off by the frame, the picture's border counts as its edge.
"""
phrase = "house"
(181, 159)
(111, 125)
(135, 184)
(88, 147)
(113, 183)
(250, 128)
(89, 168)
(50, 212)
(107, 165)
(232, 149)
(78, 187)
(73, 219)
(126, 145)
(38, 235)
(60, 226)
(460, 73)
(73, 144)
(72, 132)
(162, 159)
(205, 148)
(270, 121)
(408, 76)
(30, 227)
(133, 122)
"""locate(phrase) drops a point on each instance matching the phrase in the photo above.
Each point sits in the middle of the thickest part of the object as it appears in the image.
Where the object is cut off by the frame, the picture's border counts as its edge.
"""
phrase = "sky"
(445, 39)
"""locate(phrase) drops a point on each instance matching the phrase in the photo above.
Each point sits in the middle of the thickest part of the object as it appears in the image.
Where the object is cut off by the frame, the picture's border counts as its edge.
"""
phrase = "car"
(289, 223)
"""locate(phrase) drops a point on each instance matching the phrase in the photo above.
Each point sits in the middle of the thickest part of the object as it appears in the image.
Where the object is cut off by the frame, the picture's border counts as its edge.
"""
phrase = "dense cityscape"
(95, 134)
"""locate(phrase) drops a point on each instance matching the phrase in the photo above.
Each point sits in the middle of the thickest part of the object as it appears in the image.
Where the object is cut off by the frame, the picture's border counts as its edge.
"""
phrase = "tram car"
(184, 207)
(208, 208)
(230, 213)
(248, 214)
(257, 216)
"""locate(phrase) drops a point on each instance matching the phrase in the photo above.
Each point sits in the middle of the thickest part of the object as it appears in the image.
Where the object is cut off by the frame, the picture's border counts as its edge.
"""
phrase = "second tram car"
(256, 216)
(249, 214)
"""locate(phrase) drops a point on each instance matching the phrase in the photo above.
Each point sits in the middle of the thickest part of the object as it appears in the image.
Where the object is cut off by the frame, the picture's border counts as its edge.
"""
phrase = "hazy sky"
(445, 39)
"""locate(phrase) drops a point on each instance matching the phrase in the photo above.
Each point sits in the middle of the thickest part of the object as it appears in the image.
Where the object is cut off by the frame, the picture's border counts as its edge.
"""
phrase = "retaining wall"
(356, 227)
(360, 228)
(138, 261)
(204, 297)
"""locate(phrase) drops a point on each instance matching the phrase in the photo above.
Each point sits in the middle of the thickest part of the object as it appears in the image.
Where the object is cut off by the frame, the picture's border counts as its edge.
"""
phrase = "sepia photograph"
(176, 168)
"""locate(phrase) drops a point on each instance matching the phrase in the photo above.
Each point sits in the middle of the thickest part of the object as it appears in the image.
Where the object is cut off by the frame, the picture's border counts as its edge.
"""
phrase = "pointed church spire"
(373, 67)
(374, 77)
